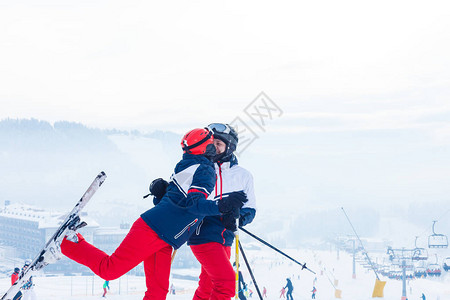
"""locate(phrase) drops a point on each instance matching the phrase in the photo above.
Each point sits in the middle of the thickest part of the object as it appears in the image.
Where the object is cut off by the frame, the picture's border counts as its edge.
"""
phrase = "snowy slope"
(270, 270)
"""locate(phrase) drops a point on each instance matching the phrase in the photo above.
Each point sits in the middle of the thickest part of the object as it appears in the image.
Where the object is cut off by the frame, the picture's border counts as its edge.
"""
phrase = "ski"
(50, 253)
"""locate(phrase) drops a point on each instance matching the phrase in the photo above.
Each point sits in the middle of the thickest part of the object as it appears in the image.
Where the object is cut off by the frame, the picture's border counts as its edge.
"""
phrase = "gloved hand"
(229, 222)
(232, 203)
(158, 187)
(247, 215)
(241, 221)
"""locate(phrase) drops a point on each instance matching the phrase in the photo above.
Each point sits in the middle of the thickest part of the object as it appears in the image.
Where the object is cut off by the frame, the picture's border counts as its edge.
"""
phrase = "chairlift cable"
(365, 252)
(438, 219)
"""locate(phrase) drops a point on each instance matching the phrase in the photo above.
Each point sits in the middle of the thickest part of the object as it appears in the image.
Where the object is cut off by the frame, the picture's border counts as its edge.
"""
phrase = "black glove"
(157, 200)
(233, 203)
(229, 222)
(158, 187)
(242, 221)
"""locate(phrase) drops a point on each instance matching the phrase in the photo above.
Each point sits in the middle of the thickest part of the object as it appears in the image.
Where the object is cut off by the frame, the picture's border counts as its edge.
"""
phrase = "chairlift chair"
(434, 269)
(419, 253)
(437, 240)
(420, 272)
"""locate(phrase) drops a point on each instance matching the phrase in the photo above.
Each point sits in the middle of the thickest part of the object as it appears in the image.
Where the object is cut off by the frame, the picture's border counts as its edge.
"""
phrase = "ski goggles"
(219, 127)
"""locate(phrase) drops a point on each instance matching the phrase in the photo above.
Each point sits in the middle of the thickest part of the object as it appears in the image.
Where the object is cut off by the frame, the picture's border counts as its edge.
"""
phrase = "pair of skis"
(50, 253)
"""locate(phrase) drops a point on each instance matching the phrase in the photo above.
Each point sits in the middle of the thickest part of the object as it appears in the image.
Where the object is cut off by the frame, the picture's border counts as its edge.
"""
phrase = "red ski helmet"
(197, 141)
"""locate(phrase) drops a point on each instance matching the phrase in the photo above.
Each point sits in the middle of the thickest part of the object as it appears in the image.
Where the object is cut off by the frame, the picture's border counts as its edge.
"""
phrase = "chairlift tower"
(402, 258)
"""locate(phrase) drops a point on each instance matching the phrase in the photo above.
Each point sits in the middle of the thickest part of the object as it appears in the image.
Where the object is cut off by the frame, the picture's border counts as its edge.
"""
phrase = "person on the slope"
(14, 278)
(242, 286)
(264, 292)
(28, 287)
(282, 292)
(211, 242)
(105, 286)
(168, 224)
(314, 290)
(290, 289)
(15, 275)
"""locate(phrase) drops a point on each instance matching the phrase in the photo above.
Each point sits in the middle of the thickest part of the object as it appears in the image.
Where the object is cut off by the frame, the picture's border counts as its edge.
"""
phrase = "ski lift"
(406, 254)
(434, 269)
(419, 253)
(420, 272)
(437, 240)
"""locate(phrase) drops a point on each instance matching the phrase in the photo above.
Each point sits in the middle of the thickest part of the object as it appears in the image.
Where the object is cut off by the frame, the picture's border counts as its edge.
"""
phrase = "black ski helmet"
(226, 134)
(16, 270)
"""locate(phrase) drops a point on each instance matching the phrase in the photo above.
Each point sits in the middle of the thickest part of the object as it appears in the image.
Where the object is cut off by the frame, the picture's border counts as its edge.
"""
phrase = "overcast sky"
(329, 65)
(361, 89)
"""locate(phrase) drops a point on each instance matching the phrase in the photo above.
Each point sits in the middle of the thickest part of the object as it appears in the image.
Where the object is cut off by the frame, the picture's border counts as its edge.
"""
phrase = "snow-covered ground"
(270, 270)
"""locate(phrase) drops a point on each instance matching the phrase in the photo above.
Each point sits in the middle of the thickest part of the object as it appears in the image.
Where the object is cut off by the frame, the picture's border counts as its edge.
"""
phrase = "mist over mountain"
(299, 192)
(52, 165)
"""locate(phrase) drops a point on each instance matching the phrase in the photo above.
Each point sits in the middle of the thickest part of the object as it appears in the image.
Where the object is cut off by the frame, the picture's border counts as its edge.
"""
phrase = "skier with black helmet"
(211, 242)
(15, 275)
(165, 226)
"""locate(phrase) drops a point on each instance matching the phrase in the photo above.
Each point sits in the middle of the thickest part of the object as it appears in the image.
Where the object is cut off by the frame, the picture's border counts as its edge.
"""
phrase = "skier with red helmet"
(167, 225)
(212, 241)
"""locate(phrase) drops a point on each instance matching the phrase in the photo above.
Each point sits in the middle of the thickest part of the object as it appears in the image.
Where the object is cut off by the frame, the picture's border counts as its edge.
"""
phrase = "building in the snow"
(25, 229)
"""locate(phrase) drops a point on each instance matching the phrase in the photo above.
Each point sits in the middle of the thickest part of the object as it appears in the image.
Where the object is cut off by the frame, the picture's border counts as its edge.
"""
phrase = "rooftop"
(45, 218)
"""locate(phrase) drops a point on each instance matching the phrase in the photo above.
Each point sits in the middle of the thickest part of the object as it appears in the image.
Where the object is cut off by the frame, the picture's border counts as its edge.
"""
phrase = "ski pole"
(236, 261)
(279, 251)
(173, 256)
(250, 271)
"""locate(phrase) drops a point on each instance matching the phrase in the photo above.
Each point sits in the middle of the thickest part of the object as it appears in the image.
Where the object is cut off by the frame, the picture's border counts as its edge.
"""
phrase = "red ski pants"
(140, 244)
(217, 278)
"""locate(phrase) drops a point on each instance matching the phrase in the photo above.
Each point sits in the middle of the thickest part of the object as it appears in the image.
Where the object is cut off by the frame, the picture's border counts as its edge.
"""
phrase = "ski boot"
(72, 234)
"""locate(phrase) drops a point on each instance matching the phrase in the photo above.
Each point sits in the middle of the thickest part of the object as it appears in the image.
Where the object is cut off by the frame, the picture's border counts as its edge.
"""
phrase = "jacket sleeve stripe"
(179, 187)
(198, 191)
(199, 188)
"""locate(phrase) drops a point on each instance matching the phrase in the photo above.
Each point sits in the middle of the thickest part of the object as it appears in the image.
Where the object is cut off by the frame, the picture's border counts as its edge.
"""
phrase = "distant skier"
(313, 296)
(28, 287)
(290, 288)
(15, 275)
(105, 285)
(423, 297)
(14, 278)
(165, 226)
(282, 292)
(264, 292)
(242, 286)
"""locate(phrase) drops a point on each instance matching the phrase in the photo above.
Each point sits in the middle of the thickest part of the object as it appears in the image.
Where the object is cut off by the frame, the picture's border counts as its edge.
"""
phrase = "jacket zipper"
(221, 192)
(185, 228)
(220, 175)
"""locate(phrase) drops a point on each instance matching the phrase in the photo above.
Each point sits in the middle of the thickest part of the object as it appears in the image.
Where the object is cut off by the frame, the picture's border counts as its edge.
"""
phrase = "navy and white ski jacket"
(230, 177)
(185, 203)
